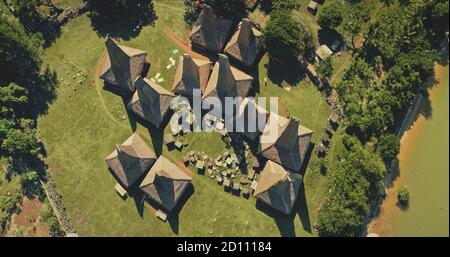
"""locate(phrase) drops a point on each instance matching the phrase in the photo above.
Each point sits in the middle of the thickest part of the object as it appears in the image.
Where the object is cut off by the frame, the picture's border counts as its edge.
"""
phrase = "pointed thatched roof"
(285, 142)
(191, 74)
(245, 45)
(123, 65)
(250, 111)
(210, 32)
(151, 102)
(278, 187)
(165, 183)
(131, 161)
(227, 81)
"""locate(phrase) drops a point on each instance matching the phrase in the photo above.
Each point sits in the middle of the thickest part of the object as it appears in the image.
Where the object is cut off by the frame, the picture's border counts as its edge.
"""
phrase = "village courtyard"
(86, 122)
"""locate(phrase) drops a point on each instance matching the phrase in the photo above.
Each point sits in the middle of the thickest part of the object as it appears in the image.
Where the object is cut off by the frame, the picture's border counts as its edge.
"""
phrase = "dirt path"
(183, 45)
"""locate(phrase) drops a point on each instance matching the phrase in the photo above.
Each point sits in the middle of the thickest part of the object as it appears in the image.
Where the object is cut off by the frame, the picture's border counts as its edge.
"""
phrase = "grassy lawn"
(85, 123)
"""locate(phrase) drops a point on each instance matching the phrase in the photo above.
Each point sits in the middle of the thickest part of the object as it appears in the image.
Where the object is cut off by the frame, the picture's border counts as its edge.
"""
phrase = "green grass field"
(85, 123)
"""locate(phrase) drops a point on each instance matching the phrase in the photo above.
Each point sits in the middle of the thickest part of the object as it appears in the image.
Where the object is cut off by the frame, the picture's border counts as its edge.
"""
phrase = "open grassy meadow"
(85, 122)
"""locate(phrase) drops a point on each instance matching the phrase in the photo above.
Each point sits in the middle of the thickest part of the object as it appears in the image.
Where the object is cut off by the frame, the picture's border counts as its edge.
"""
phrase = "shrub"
(403, 195)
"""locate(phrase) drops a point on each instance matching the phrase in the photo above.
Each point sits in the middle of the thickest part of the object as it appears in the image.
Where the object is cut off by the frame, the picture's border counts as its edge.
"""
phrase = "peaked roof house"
(227, 81)
(165, 183)
(251, 113)
(191, 74)
(123, 65)
(285, 142)
(277, 187)
(245, 45)
(131, 161)
(151, 101)
(210, 31)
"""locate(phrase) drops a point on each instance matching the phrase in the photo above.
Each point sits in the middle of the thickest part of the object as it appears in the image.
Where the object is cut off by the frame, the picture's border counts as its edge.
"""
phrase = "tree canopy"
(331, 15)
(283, 37)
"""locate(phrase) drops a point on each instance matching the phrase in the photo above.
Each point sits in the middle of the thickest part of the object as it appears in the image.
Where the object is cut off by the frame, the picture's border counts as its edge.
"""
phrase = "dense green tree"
(283, 37)
(437, 20)
(388, 146)
(231, 9)
(352, 185)
(27, 10)
(11, 97)
(19, 54)
(18, 143)
(120, 17)
(325, 69)
(30, 183)
(331, 15)
(403, 195)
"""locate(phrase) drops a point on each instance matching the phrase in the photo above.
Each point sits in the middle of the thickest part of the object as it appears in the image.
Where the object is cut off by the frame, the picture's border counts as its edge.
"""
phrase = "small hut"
(325, 140)
(285, 142)
(312, 7)
(191, 74)
(277, 187)
(122, 66)
(245, 45)
(150, 102)
(165, 184)
(323, 52)
(131, 161)
(333, 120)
(210, 31)
(321, 150)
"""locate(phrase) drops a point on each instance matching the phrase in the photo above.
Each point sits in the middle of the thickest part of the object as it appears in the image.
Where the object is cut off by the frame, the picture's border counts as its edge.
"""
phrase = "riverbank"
(423, 168)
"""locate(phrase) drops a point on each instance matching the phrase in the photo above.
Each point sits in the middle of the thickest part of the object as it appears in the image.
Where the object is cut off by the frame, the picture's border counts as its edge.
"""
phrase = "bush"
(403, 195)
(325, 69)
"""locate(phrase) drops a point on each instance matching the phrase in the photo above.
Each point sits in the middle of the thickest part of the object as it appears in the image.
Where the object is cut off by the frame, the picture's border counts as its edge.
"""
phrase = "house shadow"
(280, 73)
(285, 223)
(329, 36)
(138, 198)
(127, 25)
(301, 209)
(173, 216)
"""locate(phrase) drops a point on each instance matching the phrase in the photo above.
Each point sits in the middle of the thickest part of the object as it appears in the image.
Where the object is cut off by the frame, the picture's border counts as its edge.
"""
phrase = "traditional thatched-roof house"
(227, 81)
(249, 111)
(245, 45)
(165, 184)
(285, 142)
(210, 31)
(123, 66)
(277, 187)
(150, 102)
(131, 161)
(191, 74)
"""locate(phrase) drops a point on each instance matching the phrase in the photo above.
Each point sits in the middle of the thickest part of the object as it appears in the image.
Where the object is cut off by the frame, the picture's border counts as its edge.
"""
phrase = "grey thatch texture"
(278, 187)
(227, 81)
(131, 161)
(191, 74)
(151, 102)
(210, 31)
(245, 45)
(165, 183)
(123, 65)
(289, 145)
